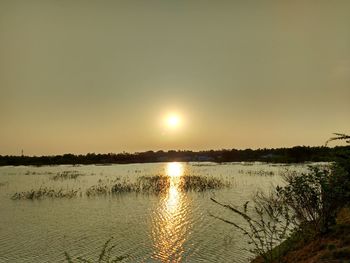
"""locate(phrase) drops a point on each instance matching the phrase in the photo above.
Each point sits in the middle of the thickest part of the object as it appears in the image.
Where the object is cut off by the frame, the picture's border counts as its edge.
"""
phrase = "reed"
(100, 189)
(258, 173)
(66, 175)
(45, 192)
(157, 184)
(37, 173)
(3, 184)
(124, 187)
(201, 183)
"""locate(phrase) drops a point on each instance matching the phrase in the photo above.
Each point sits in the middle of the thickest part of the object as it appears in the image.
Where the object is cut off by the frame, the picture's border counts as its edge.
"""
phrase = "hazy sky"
(99, 76)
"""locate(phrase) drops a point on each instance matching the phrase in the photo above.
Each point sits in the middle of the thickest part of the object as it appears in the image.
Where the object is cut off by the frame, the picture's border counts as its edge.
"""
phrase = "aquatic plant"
(153, 184)
(124, 187)
(156, 184)
(66, 175)
(99, 189)
(105, 256)
(45, 192)
(200, 183)
(3, 184)
(258, 172)
(37, 173)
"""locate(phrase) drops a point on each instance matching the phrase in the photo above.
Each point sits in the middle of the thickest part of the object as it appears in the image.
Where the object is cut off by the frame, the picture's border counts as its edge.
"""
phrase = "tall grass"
(66, 175)
(3, 184)
(45, 192)
(258, 172)
(201, 183)
(156, 185)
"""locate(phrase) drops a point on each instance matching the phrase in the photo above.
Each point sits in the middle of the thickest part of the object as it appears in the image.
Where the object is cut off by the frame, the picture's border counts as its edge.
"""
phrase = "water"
(174, 226)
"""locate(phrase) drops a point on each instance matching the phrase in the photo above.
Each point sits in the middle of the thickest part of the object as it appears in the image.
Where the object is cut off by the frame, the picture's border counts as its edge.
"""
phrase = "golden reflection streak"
(170, 222)
(174, 169)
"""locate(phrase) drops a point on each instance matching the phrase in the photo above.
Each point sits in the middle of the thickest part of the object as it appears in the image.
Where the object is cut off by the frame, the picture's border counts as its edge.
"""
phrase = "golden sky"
(101, 76)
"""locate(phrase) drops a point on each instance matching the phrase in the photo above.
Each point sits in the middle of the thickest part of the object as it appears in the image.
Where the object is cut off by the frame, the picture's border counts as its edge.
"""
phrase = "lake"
(170, 226)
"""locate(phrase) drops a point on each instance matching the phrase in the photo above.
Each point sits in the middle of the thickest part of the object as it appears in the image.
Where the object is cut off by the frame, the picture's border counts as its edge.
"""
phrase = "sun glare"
(173, 121)
(174, 169)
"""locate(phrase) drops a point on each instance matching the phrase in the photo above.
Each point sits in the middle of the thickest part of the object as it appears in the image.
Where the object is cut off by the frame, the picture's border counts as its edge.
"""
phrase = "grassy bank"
(332, 246)
(306, 220)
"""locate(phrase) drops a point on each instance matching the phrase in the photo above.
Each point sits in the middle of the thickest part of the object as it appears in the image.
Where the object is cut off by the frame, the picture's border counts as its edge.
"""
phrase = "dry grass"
(333, 246)
(344, 216)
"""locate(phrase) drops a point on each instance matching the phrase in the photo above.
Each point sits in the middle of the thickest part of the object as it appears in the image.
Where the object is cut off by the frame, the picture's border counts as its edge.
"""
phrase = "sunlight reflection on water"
(173, 226)
(170, 226)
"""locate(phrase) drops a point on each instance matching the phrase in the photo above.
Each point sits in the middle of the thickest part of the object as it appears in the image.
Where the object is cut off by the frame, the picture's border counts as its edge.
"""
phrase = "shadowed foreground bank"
(305, 220)
(333, 246)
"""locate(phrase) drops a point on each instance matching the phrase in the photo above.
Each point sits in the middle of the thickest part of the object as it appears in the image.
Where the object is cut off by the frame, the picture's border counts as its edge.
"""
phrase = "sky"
(102, 76)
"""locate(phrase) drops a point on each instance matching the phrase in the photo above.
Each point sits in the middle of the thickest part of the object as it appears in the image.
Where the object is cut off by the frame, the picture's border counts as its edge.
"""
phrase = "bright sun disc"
(173, 121)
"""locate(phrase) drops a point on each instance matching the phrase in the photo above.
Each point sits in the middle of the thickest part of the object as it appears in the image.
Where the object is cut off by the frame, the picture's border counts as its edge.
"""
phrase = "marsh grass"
(3, 184)
(37, 173)
(201, 183)
(105, 255)
(156, 184)
(66, 175)
(258, 172)
(45, 192)
(100, 189)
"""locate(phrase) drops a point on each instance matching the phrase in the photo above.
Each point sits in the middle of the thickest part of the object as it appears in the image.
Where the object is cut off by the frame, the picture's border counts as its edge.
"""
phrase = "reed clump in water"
(65, 175)
(157, 184)
(37, 173)
(3, 184)
(100, 189)
(45, 192)
(144, 185)
(124, 187)
(200, 183)
(258, 172)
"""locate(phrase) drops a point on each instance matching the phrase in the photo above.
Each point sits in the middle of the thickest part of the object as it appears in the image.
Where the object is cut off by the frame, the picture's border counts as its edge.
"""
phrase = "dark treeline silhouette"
(296, 154)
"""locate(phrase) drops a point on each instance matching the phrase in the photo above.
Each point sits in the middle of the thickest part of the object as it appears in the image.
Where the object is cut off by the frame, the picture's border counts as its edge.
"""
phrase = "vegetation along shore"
(297, 154)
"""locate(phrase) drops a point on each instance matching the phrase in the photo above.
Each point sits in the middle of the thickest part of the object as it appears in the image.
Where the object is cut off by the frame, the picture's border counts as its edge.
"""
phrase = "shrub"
(308, 196)
(269, 223)
(308, 201)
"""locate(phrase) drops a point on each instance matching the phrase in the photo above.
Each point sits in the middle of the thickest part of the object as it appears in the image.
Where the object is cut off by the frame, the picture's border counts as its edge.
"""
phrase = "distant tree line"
(296, 154)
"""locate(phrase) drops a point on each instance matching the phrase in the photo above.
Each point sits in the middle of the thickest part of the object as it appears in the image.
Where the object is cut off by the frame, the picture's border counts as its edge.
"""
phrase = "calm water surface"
(171, 227)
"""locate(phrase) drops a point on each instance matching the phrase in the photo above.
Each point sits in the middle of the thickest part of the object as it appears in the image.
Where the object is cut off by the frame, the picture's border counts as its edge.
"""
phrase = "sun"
(173, 121)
